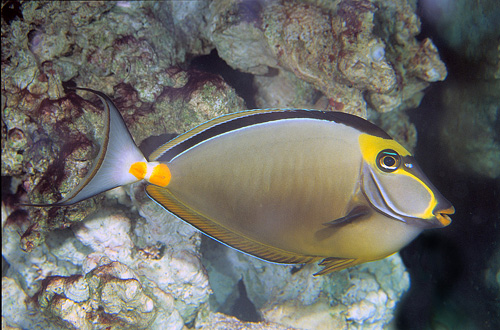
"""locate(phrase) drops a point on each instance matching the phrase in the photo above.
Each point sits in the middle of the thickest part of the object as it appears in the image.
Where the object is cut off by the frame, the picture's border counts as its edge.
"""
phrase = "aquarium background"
(118, 260)
(453, 272)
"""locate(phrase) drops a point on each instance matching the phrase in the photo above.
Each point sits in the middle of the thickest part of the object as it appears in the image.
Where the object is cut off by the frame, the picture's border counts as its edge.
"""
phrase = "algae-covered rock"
(352, 51)
(285, 90)
(219, 321)
(16, 314)
(51, 138)
(80, 278)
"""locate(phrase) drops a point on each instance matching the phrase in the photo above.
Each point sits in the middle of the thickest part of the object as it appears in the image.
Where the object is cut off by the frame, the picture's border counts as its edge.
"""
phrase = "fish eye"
(388, 160)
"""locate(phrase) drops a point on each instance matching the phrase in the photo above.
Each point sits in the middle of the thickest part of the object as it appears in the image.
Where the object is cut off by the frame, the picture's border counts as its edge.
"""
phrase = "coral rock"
(361, 297)
(347, 49)
(219, 321)
(426, 64)
(109, 295)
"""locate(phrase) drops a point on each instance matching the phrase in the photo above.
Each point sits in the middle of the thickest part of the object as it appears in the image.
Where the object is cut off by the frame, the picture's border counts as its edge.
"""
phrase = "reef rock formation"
(110, 294)
(89, 278)
(354, 51)
(145, 269)
(363, 297)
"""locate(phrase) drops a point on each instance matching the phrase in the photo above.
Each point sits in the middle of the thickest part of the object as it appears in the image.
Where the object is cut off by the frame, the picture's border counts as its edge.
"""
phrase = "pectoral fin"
(356, 213)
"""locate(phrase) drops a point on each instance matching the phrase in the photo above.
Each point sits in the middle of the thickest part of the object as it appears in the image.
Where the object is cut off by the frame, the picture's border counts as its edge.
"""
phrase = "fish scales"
(233, 180)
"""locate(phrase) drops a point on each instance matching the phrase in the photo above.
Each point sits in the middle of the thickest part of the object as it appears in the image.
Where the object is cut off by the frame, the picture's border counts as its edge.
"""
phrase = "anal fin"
(210, 227)
(336, 264)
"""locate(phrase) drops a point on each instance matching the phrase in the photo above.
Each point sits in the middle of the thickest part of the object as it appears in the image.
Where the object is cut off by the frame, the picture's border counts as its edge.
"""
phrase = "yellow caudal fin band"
(139, 170)
(160, 176)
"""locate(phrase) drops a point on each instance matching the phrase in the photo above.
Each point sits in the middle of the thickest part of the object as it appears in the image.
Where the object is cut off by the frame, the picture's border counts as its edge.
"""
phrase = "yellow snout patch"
(139, 170)
(370, 147)
(161, 175)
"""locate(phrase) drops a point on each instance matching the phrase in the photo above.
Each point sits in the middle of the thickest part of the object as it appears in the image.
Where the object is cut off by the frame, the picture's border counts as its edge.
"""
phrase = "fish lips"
(387, 196)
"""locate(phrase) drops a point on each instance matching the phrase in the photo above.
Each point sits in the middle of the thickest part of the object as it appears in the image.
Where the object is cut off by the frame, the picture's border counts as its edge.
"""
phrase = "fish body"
(287, 186)
(285, 200)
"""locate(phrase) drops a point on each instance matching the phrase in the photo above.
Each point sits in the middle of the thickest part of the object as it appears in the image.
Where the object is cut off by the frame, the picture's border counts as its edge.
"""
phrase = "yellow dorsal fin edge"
(200, 128)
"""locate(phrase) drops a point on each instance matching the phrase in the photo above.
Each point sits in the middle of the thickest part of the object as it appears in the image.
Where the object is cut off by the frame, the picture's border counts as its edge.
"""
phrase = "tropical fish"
(287, 186)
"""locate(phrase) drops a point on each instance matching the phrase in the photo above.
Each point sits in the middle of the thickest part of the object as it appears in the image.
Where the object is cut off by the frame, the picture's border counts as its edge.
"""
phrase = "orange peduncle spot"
(160, 176)
(138, 170)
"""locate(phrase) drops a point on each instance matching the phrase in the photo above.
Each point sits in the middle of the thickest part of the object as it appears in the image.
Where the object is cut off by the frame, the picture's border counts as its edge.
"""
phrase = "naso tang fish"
(286, 186)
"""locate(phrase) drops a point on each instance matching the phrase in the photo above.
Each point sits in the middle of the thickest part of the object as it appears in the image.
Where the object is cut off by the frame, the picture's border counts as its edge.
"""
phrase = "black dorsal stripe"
(260, 117)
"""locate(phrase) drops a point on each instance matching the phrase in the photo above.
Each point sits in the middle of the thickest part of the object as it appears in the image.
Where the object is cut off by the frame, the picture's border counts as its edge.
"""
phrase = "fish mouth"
(442, 216)
(435, 214)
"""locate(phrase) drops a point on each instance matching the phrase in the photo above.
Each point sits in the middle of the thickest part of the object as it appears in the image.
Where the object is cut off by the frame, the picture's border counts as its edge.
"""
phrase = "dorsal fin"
(235, 240)
(203, 127)
(238, 120)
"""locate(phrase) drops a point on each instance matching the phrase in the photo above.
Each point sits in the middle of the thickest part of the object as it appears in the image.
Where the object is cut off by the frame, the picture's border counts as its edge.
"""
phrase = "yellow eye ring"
(388, 160)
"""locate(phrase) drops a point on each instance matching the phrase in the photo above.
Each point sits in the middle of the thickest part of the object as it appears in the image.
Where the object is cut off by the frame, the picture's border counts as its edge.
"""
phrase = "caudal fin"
(111, 167)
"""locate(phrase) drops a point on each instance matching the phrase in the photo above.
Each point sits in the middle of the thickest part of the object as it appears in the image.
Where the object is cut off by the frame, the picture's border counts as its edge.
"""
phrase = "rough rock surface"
(362, 297)
(346, 49)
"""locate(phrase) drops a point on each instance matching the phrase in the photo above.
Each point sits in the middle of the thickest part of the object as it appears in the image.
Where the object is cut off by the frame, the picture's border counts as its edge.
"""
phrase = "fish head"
(394, 185)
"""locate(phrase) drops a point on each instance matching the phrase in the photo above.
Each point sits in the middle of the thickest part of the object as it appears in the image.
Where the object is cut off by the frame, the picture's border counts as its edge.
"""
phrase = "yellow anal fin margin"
(336, 264)
(165, 198)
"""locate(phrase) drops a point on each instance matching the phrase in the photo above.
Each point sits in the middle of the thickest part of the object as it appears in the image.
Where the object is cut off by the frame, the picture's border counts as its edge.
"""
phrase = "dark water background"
(448, 267)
